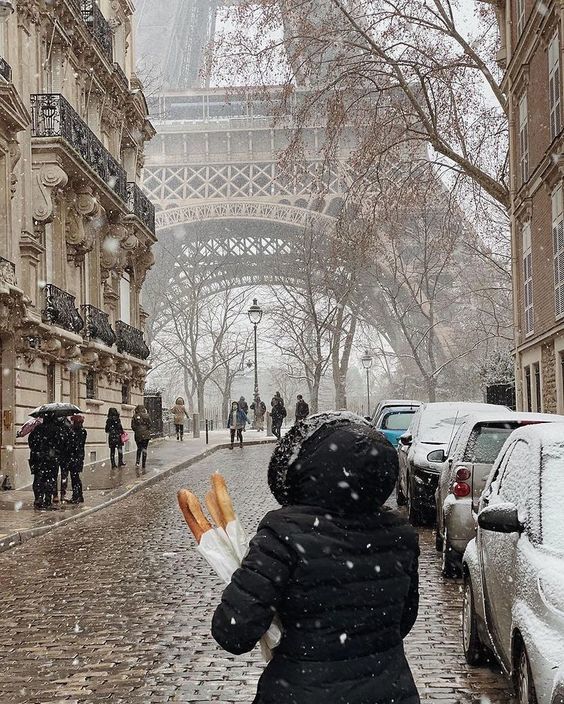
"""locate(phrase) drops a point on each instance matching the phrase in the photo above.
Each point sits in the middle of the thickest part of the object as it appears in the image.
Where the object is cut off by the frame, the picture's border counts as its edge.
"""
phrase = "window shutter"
(558, 243)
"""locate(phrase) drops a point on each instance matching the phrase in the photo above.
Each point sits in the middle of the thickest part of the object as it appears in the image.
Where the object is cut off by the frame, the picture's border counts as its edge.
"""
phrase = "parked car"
(464, 472)
(514, 568)
(394, 421)
(432, 428)
(389, 404)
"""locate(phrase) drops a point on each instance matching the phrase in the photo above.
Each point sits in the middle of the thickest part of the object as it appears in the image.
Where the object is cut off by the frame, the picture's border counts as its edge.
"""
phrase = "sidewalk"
(103, 486)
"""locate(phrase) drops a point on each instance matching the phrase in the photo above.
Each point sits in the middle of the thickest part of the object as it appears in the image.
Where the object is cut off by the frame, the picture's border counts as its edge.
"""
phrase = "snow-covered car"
(394, 421)
(464, 474)
(513, 570)
(433, 427)
(392, 403)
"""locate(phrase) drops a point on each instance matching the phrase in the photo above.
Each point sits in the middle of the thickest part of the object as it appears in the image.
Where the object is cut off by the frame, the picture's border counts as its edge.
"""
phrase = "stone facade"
(531, 54)
(75, 229)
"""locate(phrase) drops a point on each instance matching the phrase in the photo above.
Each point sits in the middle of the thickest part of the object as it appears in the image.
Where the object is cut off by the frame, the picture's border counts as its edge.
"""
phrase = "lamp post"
(367, 364)
(255, 316)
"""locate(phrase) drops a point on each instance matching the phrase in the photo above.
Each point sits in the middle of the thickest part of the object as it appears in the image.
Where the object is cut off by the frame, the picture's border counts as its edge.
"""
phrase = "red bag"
(124, 437)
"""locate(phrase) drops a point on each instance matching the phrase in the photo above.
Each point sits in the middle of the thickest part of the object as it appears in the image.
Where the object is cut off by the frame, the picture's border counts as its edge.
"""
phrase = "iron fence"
(98, 326)
(98, 26)
(141, 206)
(60, 310)
(130, 340)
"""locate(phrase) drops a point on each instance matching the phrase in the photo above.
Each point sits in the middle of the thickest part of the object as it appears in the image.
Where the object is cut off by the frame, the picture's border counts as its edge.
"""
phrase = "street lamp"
(367, 364)
(255, 316)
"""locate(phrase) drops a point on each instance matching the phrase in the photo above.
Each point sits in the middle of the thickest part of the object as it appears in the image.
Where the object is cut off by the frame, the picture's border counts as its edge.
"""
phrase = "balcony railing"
(7, 272)
(124, 80)
(53, 116)
(130, 340)
(98, 325)
(98, 27)
(60, 310)
(141, 206)
(5, 70)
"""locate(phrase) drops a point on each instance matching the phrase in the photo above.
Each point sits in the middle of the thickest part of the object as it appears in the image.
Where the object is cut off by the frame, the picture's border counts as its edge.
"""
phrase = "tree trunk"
(201, 400)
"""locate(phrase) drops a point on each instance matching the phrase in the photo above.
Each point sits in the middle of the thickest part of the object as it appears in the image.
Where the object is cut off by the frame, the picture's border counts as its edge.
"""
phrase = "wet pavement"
(116, 608)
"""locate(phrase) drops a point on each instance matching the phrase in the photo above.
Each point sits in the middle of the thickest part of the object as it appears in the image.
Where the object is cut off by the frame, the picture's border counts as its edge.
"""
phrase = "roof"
(468, 406)
(399, 402)
(546, 433)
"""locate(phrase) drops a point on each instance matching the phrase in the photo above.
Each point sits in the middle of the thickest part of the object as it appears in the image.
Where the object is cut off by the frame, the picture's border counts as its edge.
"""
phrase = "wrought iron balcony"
(130, 340)
(98, 325)
(7, 272)
(5, 70)
(124, 80)
(60, 310)
(141, 206)
(98, 26)
(53, 116)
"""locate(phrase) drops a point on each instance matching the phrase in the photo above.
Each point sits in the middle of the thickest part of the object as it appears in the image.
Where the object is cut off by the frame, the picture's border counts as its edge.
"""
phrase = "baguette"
(215, 511)
(190, 507)
(223, 498)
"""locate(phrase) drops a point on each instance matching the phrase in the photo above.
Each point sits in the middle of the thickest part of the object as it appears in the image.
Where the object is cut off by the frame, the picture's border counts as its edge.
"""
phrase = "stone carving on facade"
(47, 178)
(72, 352)
(29, 11)
(15, 155)
(144, 260)
(83, 216)
(90, 357)
(51, 345)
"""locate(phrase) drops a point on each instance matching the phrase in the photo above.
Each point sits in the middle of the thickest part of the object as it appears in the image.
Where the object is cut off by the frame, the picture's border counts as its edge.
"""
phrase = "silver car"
(464, 474)
(514, 568)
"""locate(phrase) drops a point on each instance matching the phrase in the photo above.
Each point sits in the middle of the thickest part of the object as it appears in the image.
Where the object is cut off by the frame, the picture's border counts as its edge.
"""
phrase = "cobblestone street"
(117, 607)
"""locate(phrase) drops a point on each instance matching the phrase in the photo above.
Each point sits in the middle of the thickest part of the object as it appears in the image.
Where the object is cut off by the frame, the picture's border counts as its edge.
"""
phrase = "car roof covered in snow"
(469, 406)
(546, 433)
(399, 402)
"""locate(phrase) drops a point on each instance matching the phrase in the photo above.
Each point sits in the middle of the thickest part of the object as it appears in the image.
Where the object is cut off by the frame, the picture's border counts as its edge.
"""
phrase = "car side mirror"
(406, 439)
(500, 518)
(436, 456)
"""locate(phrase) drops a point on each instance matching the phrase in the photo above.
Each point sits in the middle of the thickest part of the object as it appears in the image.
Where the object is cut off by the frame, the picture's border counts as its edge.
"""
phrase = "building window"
(554, 86)
(523, 138)
(538, 387)
(520, 17)
(126, 394)
(125, 298)
(558, 245)
(528, 390)
(91, 385)
(528, 280)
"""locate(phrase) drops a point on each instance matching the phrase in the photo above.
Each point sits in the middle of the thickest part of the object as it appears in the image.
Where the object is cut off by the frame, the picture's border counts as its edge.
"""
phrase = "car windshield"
(552, 496)
(397, 421)
(486, 441)
(436, 427)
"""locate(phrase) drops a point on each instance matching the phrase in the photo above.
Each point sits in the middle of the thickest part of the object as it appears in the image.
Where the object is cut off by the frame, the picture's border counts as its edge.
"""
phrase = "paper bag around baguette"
(233, 527)
(193, 514)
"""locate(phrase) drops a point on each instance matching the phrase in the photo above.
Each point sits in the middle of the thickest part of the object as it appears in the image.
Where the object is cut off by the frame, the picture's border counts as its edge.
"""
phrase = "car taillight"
(461, 490)
(463, 474)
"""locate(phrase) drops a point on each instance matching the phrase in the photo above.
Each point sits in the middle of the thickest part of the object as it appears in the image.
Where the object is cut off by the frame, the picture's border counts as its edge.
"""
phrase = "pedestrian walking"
(73, 463)
(236, 423)
(243, 405)
(259, 408)
(338, 567)
(276, 399)
(116, 436)
(48, 443)
(179, 412)
(278, 413)
(141, 426)
(302, 409)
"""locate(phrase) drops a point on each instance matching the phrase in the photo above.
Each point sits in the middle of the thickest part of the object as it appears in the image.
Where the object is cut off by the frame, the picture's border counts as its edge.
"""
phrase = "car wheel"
(525, 686)
(451, 561)
(473, 649)
(400, 496)
(413, 510)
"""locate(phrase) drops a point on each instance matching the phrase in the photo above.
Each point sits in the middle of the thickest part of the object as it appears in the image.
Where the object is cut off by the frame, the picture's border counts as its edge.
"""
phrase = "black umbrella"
(55, 409)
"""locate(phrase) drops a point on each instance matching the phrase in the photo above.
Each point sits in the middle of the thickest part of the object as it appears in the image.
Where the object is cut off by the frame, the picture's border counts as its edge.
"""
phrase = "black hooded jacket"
(340, 571)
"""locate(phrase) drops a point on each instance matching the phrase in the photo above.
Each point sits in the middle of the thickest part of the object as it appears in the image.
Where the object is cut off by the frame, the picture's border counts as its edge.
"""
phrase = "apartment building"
(531, 54)
(76, 231)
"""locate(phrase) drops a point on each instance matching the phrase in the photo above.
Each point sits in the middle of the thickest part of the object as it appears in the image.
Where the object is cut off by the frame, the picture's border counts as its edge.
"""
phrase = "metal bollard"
(269, 432)
(196, 425)
(207, 432)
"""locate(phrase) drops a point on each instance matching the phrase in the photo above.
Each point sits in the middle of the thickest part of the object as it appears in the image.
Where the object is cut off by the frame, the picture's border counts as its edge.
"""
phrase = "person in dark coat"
(338, 568)
(141, 426)
(114, 430)
(302, 409)
(278, 413)
(48, 444)
(74, 461)
(243, 405)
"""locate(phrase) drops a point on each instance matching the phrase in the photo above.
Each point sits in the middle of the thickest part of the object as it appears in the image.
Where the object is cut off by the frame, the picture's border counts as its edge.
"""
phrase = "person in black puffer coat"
(339, 568)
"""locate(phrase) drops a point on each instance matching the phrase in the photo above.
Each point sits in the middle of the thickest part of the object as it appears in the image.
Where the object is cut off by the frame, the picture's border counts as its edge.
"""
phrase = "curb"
(20, 537)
